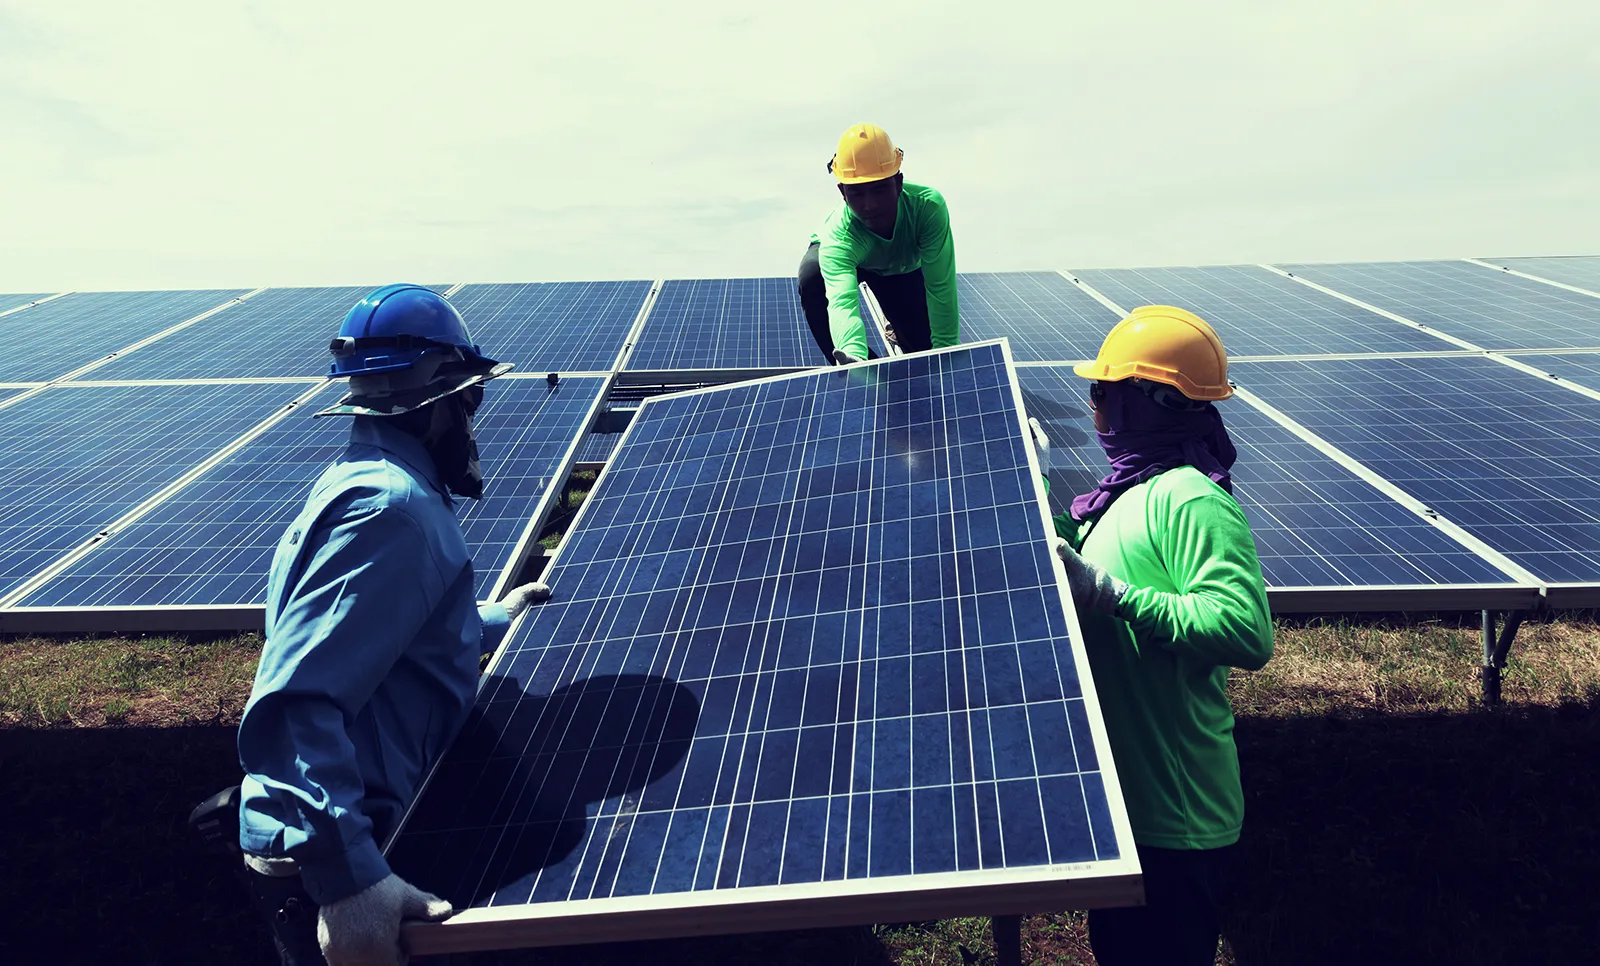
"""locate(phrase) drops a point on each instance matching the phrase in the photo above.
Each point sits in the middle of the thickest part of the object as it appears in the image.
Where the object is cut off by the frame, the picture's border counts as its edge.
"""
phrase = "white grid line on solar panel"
(1315, 523)
(281, 332)
(1045, 316)
(50, 340)
(1580, 270)
(725, 323)
(1257, 312)
(1582, 368)
(73, 460)
(661, 498)
(524, 431)
(1492, 309)
(212, 542)
(552, 326)
(1509, 457)
(598, 447)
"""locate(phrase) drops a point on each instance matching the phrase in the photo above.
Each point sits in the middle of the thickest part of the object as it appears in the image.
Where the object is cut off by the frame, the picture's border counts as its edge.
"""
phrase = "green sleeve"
(938, 253)
(1218, 614)
(838, 263)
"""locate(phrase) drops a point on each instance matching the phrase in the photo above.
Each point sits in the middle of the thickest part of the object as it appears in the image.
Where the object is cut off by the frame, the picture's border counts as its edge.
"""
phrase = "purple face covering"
(1147, 438)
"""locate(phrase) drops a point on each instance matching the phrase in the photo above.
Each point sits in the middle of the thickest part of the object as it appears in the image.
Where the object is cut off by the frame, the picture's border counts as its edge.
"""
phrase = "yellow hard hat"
(1166, 344)
(865, 154)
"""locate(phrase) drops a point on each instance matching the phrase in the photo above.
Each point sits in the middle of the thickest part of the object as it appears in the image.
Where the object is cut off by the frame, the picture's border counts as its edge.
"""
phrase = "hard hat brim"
(354, 404)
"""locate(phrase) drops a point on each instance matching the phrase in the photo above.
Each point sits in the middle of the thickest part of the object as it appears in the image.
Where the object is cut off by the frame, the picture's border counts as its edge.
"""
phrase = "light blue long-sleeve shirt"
(370, 666)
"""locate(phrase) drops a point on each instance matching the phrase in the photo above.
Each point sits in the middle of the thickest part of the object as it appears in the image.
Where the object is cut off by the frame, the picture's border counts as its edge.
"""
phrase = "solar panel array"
(1321, 520)
(805, 630)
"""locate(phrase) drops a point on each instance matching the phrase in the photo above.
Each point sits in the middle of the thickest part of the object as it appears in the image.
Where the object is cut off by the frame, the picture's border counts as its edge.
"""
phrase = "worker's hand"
(518, 598)
(844, 358)
(888, 334)
(1092, 587)
(364, 929)
(1041, 445)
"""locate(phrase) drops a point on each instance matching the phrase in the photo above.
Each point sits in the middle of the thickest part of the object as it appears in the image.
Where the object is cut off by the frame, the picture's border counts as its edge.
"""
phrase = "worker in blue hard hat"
(890, 234)
(373, 637)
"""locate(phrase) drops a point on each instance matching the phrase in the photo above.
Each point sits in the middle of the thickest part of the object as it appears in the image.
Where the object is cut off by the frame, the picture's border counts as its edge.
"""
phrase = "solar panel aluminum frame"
(187, 618)
(813, 905)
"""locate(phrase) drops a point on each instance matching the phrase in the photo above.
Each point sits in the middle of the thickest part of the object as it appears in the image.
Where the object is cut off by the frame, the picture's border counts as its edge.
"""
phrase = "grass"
(1390, 818)
(577, 490)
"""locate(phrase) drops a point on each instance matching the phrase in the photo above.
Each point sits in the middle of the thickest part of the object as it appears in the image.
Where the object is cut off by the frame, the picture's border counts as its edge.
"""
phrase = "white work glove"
(364, 929)
(1041, 445)
(1092, 587)
(518, 598)
(844, 358)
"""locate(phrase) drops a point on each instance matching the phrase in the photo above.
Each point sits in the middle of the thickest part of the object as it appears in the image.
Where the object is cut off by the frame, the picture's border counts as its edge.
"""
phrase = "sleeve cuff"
(341, 876)
(495, 621)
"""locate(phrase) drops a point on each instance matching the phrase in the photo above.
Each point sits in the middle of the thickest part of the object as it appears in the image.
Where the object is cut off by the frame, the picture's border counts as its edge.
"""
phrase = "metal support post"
(1007, 940)
(1495, 650)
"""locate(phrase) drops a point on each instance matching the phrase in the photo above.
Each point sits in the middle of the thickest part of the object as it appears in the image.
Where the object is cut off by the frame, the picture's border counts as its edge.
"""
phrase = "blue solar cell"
(1489, 308)
(1258, 313)
(1510, 457)
(1580, 270)
(553, 326)
(52, 339)
(805, 630)
(1316, 524)
(281, 332)
(212, 542)
(75, 458)
(726, 323)
(1046, 317)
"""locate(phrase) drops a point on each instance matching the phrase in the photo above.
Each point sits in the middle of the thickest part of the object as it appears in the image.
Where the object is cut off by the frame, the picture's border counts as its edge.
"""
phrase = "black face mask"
(452, 444)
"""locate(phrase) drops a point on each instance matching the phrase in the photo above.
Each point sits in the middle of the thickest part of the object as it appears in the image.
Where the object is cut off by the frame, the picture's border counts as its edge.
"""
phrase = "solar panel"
(1580, 270)
(281, 332)
(52, 339)
(1316, 524)
(9, 302)
(598, 447)
(1257, 312)
(1046, 317)
(212, 542)
(525, 433)
(1488, 308)
(807, 648)
(1510, 457)
(76, 458)
(1582, 368)
(726, 323)
(553, 326)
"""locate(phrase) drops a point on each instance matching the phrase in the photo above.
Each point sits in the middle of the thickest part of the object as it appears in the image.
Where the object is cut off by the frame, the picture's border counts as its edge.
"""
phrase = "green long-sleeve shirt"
(921, 240)
(1197, 606)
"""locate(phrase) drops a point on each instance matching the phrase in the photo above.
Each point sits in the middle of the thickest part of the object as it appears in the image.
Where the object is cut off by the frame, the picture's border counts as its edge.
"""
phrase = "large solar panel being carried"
(74, 459)
(1511, 457)
(1582, 271)
(212, 542)
(1317, 525)
(1489, 308)
(1046, 317)
(726, 323)
(553, 326)
(1257, 312)
(281, 332)
(52, 339)
(808, 661)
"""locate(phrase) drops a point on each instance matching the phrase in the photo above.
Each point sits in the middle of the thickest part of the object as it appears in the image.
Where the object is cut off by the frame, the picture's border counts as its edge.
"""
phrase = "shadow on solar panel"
(808, 662)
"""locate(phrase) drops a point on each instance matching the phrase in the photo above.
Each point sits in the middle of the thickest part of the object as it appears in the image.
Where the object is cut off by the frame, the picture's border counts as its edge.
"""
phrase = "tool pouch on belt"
(215, 823)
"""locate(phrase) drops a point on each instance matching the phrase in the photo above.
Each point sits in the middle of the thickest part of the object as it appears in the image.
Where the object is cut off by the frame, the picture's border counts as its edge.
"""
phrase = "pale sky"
(208, 143)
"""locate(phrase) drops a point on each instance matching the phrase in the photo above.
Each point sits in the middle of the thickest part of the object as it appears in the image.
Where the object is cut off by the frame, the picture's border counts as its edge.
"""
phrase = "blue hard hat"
(396, 326)
(402, 347)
